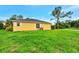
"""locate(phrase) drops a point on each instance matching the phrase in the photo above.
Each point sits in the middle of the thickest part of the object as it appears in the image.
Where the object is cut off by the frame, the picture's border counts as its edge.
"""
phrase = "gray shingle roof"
(32, 20)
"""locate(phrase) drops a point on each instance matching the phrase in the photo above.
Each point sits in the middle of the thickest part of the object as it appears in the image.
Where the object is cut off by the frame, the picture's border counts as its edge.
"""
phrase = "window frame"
(37, 25)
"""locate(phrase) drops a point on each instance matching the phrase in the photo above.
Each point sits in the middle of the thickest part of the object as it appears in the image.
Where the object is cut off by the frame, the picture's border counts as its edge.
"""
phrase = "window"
(18, 24)
(37, 25)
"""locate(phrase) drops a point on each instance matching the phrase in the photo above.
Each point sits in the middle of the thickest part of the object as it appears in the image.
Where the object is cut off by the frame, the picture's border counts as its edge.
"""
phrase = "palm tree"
(57, 13)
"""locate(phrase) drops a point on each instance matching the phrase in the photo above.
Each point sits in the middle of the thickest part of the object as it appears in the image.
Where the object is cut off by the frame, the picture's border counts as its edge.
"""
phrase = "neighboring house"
(30, 24)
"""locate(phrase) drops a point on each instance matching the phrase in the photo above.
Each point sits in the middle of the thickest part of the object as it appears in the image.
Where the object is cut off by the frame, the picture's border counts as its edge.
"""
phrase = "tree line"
(68, 24)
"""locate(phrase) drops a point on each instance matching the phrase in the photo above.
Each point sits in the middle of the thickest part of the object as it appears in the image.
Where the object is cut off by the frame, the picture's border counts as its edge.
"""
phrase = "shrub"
(9, 25)
(1, 25)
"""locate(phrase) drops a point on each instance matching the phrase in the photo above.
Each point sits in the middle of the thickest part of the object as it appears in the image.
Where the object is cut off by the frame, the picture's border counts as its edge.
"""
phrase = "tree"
(28, 18)
(19, 17)
(1, 25)
(13, 17)
(57, 13)
(9, 25)
(75, 23)
(16, 17)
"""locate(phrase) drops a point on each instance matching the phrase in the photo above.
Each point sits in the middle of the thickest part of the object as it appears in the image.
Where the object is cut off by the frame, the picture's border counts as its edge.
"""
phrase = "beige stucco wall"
(29, 26)
(46, 26)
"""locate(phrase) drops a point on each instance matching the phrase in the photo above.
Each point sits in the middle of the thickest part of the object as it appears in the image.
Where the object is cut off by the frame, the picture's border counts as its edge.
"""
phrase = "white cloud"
(75, 7)
(71, 8)
(3, 18)
(75, 18)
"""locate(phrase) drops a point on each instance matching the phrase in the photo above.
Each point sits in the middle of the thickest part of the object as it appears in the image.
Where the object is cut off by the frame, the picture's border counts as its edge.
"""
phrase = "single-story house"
(30, 24)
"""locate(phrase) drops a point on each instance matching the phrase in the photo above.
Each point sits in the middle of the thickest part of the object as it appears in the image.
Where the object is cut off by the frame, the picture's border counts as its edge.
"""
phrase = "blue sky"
(41, 12)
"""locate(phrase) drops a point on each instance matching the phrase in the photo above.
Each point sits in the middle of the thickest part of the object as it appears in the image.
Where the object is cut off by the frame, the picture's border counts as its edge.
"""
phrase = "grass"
(48, 41)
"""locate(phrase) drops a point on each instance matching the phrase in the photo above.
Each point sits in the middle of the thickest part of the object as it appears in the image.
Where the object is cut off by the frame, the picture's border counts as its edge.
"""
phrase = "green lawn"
(39, 41)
